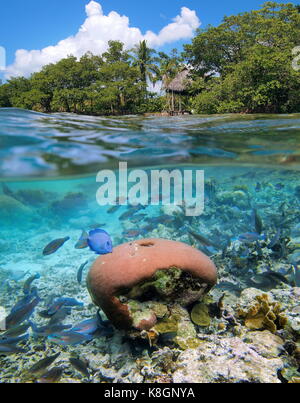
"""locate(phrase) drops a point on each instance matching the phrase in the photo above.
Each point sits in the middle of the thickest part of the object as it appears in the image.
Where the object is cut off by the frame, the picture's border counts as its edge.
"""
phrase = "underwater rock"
(33, 197)
(150, 270)
(265, 343)
(237, 198)
(172, 210)
(12, 210)
(70, 204)
(178, 328)
(227, 360)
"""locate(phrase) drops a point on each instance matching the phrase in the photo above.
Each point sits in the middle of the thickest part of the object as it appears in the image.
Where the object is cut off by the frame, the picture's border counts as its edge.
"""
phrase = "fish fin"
(81, 245)
(97, 231)
(82, 242)
(84, 236)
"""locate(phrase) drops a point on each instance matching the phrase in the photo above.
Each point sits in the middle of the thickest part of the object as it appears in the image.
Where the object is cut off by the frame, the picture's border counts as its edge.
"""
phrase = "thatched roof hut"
(180, 83)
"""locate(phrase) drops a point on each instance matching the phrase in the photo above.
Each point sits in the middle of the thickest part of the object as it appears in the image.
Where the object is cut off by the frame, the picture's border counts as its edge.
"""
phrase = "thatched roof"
(179, 83)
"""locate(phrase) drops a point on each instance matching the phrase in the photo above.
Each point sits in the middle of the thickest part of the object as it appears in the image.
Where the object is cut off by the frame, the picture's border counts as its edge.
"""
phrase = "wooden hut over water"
(176, 90)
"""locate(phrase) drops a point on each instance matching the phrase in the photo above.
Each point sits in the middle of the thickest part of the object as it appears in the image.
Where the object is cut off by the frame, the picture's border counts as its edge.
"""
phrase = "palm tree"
(170, 66)
(144, 60)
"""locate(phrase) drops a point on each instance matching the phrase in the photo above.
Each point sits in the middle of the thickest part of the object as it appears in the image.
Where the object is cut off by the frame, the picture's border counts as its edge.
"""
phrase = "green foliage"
(244, 65)
(152, 104)
(144, 60)
(170, 65)
(111, 84)
(5, 96)
(247, 63)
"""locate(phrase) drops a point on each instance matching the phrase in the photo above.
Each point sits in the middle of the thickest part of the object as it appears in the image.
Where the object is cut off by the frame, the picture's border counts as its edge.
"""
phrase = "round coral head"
(137, 262)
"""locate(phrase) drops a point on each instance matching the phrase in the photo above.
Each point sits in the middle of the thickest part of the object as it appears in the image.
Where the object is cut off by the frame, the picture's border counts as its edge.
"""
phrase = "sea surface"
(48, 188)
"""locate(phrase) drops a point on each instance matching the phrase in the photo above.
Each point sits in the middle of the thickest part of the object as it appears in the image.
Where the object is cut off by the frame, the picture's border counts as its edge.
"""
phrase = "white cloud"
(94, 34)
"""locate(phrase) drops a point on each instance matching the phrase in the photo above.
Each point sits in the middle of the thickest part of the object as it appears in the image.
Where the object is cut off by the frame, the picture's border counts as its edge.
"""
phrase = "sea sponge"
(263, 314)
(127, 282)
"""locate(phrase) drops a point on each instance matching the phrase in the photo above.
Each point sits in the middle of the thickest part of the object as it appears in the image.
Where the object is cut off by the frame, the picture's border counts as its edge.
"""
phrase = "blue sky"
(36, 24)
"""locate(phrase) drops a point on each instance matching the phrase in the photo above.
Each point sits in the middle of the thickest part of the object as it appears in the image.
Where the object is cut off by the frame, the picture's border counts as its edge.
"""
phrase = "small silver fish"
(10, 349)
(43, 364)
(80, 271)
(81, 366)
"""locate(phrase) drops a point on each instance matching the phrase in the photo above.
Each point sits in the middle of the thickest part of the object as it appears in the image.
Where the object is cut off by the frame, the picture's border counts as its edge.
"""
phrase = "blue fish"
(100, 242)
(60, 315)
(258, 187)
(70, 302)
(279, 186)
(21, 314)
(244, 254)
(23, 301)
(69, 338)
(251, 237)
(7, 349)
(97, 240)
(87, 327)
(275, 240)
(49, 329)
(57, 304)
(16, 331)
(14, 340)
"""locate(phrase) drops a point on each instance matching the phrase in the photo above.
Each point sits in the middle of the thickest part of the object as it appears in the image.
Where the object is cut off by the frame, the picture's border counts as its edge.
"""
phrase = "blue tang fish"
(97, 240)
(100, 242)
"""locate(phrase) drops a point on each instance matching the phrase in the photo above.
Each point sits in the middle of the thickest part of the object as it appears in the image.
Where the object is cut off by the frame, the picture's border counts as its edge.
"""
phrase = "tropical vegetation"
(244, 65)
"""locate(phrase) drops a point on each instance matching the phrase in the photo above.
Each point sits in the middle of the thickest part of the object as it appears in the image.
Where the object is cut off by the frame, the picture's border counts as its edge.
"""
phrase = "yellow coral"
(263, 314)
(168, 325)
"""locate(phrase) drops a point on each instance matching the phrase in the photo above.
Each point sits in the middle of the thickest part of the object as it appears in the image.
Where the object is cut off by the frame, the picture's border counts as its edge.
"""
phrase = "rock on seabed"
(231, 360)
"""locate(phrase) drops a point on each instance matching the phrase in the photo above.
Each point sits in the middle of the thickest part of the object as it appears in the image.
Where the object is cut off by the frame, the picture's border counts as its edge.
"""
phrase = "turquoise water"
(48, 167)
(37, 145)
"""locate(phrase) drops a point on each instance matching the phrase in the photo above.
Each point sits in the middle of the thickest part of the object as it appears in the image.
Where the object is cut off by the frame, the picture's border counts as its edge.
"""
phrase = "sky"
(35, 32)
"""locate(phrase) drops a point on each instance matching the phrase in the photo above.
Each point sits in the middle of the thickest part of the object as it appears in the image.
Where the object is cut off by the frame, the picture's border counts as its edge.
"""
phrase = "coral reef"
(13, 211)
(33, 197)
(148, 270)
(71, 203)
(177, 333)
(231, 360)
(263, 314)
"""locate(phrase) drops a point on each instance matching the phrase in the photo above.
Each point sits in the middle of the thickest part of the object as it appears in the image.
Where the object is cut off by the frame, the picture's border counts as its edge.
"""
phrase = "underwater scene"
(145, 293)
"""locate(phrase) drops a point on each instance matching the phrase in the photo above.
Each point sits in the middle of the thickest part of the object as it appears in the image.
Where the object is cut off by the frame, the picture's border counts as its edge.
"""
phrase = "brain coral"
(139, 273)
